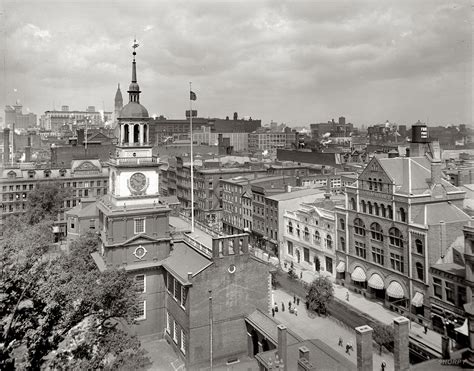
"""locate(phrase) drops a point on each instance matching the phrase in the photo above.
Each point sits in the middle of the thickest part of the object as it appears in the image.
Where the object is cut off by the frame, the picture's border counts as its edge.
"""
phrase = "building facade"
(14, 117)
(269, 141)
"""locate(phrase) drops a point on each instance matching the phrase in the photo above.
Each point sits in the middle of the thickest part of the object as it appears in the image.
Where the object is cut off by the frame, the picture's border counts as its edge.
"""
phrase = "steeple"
(134, 89)
(118, 99)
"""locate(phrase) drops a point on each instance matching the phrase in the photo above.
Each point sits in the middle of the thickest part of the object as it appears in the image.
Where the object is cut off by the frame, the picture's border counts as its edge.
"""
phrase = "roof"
(134, 110)
(84, 211)
(268, 326)
(296, 194)
(446, 211)
(183, 260)
(452, 268)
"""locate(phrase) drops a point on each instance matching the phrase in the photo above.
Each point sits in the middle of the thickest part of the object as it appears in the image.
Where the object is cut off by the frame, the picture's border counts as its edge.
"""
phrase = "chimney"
(435, 171)
(303, 360)
(28, 151)
(282, 347)
(80, 136)
(190, 276)
(236, 116)
(364, 348)
(401, 341)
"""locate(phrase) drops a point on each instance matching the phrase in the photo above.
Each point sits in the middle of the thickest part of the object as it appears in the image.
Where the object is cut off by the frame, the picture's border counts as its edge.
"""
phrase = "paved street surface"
(326, 329)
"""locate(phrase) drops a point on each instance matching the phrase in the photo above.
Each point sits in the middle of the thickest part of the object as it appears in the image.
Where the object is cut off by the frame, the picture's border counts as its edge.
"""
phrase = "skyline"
(298, 63)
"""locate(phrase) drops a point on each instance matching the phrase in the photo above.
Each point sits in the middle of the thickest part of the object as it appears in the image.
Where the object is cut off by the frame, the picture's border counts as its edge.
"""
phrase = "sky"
(293, 62)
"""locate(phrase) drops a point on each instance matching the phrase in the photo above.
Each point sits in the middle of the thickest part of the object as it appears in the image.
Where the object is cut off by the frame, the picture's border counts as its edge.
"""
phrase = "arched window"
(419, 271)
(369, 204)
(306, 233)
(376, 231)
(125, 133)
(342, 224)
(364, 206)
(342, 245)
(390, 212)
(380, 185)
(329, 242)
(382, 209)
(370, 184)
(353, 204)
(136, 133)
(419, 246)
(402, 214)
(376, 208)
(396, 237)
(359, 227)
(317, 237)
(298, 231)
(145, 133)
(290, 227)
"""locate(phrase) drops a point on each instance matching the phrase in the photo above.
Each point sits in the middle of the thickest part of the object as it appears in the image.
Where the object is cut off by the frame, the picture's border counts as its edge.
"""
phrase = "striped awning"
(395, 290)
(341, 267)
(463, 329)
(358, 275)
(376, 282)
(417, 300)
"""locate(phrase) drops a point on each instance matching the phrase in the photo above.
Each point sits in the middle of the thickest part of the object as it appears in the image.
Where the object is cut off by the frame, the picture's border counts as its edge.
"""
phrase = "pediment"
(87, 166)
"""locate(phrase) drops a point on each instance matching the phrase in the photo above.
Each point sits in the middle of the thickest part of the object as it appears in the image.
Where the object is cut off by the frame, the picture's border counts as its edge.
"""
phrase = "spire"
(118, 99)
(134, 89)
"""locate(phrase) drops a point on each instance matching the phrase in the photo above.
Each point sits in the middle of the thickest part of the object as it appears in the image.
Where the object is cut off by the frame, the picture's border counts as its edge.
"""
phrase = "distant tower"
(118, 105)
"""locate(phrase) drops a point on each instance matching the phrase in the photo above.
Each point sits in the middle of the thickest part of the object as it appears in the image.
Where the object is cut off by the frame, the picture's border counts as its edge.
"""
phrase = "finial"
(135, 46)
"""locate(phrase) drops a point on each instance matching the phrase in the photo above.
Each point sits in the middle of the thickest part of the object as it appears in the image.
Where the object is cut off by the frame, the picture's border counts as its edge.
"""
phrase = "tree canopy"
(383, 335)
(320, 294)
(60, 310)
(45, 202)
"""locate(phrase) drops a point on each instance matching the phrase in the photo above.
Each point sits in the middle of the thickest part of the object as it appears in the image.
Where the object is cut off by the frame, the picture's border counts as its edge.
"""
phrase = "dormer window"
(11, 174)
(47, 173)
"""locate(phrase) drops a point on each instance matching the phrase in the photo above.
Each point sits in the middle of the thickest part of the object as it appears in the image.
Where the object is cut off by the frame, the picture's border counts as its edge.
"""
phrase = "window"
(317, 238)
(376, 208)
(183, 342)
(72, 224)
(290, 227)
(369, 204)
(139, 226)
(390, 212)
(342, 246)
(298, 230)
(177, 291)
(175, 332)
(141, 310)
(306, 254)
(376, 231)
(364, 206)
(396, 262)
(92, 224)
(370, 184)
(360, 249)
(184, 296)
(329, 242)
(419, 246)
(342, 224)
(306, 233)
(353, 204)
(290, 247)
(449, 289)
(383, 211)
(168, 322)
(461, 295)
(419, 271)
(359, 227)
(328, 264)
(396, 237)
(140, 284)
(377, 255)
(402, 214)
(170, 283)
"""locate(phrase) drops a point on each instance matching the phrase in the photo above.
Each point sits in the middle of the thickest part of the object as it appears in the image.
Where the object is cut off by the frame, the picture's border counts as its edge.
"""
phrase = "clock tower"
(133, 223)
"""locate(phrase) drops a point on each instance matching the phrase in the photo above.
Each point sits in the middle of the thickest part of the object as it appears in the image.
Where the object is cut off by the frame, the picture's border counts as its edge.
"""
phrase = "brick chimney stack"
(303, 360)
(364, 348)
(401, 341)
(282, 346)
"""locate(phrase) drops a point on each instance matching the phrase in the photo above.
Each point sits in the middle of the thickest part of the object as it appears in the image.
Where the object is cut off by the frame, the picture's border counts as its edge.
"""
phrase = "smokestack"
(401, 341)
(28, 151)
(364, 348)
(282, 346)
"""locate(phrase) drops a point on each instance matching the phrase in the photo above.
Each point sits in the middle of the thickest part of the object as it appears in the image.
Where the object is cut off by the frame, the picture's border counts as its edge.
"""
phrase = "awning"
(417, 300)
(376, 282)
(395, 290)
(463, 329)
(358, 275)
(341, 267)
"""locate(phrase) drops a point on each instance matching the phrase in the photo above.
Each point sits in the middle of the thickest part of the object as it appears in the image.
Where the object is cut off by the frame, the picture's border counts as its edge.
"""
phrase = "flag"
(135, 44)
(192, 95)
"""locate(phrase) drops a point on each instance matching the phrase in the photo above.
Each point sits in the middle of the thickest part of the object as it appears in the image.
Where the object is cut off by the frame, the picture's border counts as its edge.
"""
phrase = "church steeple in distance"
(134, 89)
(118, 100)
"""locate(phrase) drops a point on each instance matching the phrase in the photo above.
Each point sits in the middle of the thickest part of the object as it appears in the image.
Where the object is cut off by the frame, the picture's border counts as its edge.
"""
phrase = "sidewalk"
(325, 329)
(377, 311)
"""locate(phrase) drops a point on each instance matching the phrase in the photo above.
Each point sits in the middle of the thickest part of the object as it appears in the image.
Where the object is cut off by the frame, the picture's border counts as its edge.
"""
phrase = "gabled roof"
(81, 211)
(139, 238)
(446, 211)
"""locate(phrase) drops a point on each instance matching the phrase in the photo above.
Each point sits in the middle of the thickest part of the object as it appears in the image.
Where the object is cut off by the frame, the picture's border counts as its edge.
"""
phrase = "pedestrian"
(425, 329)
(347, 349)
(383, 365)
(301, 275)
(340, 341)
(297, 301)
(273, 312)
(276, 308)
(350, 345)
(347, 295)
(289, 305)
(296, 311)
(282, 307)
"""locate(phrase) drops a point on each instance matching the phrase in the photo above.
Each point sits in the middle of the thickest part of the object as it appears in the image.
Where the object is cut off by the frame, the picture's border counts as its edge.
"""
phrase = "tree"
(61, 311)
(45, 202)
(320, 294)
(383, 335)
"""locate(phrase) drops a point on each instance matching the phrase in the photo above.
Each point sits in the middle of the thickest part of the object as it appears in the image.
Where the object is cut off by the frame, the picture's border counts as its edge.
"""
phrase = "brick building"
(266, 140)
(399, 218)
(14, 116)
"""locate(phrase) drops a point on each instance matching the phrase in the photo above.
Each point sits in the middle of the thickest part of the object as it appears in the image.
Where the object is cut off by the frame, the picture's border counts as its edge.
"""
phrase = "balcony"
(134, 161)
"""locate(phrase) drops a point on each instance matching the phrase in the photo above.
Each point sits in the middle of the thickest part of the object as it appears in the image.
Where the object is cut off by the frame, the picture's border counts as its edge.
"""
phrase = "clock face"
(138, 181)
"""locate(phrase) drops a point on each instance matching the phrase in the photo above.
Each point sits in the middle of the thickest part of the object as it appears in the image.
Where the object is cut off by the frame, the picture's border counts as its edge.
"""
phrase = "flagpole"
(191, 154)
